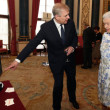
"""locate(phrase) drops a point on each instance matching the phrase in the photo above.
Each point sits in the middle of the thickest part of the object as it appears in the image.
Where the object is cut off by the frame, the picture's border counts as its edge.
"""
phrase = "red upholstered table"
(3, 96)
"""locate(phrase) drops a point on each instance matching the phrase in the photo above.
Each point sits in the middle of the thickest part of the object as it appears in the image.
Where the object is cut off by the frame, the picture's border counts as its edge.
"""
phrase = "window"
(4, 30)
(4, 21)
(3, 7)
(44, 6)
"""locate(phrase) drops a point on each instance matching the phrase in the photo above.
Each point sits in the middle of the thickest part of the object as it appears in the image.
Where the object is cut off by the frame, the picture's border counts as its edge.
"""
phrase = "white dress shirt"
(58, 27)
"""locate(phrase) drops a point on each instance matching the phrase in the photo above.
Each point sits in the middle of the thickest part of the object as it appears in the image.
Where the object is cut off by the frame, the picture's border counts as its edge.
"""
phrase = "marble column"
(70, 3)
(23, 20)
(95, 13)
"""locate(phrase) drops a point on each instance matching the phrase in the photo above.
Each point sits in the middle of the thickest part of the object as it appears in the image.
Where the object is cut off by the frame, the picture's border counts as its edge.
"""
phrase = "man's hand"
(13, 66)
(69, 50)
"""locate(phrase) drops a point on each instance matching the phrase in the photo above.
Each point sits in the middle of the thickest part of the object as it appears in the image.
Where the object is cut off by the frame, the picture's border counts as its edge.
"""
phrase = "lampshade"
(46, 16)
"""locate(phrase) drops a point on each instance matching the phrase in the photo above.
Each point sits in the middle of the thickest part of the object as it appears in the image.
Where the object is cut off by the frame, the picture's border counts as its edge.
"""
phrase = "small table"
(3, 96)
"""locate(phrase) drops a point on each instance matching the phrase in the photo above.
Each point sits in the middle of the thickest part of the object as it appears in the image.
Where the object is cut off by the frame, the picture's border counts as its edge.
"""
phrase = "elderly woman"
(104, 68)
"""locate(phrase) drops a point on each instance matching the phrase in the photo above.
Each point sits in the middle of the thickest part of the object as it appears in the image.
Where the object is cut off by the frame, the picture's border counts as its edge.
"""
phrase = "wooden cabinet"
(21, 45)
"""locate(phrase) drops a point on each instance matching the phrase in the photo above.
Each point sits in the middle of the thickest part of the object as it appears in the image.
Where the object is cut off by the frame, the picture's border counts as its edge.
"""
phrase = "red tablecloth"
(3, 96)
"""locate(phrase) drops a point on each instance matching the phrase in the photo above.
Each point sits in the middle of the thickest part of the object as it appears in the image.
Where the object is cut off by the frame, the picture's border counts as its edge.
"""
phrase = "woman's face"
(106, 22)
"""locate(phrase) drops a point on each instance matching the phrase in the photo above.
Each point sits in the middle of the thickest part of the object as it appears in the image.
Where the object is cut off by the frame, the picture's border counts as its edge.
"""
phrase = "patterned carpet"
(33, 83)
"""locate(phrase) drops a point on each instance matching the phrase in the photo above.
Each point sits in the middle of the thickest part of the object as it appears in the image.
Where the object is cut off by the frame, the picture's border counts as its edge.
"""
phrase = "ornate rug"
(33, 83)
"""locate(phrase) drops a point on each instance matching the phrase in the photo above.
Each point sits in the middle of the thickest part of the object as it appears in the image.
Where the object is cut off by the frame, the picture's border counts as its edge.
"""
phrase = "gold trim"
(85, 14)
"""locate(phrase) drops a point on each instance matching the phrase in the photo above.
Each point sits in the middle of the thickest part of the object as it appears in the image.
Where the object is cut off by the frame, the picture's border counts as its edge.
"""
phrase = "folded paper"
(9, 102)
(9, 89)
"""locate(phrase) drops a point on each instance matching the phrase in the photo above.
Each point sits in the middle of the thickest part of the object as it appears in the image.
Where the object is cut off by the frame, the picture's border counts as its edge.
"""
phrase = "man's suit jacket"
(56, 54)
(88, 37)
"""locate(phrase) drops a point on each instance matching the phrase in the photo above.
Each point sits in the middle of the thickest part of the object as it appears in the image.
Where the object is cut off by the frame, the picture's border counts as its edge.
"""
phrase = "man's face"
(95, 30)
(63, 19)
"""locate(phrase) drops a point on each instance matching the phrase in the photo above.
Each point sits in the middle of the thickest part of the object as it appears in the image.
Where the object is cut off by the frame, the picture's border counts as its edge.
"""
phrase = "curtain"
(35, 10)
(11, 5)
(57, 1)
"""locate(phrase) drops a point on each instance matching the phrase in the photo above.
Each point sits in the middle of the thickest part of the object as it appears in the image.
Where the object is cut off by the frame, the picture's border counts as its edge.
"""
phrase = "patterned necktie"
(62, 34)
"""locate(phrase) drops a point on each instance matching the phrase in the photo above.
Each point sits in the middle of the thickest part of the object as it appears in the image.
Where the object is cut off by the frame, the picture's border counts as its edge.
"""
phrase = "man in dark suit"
(59, 50)
(88, 39)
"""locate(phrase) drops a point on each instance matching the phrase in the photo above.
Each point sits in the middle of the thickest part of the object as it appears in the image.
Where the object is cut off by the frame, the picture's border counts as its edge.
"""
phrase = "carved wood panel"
(85, 13)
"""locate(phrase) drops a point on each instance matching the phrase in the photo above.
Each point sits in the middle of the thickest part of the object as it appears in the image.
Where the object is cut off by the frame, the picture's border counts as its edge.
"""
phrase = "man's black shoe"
(84, 67)
(89, 66)
(75, 105)
(56, 109)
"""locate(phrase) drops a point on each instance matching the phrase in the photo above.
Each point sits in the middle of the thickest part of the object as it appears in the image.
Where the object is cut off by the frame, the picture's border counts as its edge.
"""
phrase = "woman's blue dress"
(104, 71)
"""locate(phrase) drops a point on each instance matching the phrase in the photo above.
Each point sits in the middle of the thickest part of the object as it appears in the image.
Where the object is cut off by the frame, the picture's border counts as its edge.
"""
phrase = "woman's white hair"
(106, 15)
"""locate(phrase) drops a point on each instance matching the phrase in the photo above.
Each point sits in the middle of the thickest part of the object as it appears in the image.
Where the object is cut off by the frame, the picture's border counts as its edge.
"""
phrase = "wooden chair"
(3, 49)
(42, 47)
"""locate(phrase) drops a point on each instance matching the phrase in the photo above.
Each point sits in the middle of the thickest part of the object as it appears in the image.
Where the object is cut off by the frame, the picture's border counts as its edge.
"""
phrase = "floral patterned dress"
(104, 71)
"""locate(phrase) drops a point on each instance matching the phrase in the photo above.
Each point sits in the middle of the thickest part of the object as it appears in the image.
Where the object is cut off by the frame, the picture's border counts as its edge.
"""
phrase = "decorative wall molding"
(105, 5)
(85, 14)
